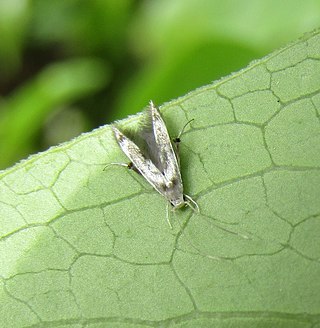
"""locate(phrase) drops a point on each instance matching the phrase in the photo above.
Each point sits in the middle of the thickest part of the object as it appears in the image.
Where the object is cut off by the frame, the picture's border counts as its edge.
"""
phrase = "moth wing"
(145, 166)
(166, 153)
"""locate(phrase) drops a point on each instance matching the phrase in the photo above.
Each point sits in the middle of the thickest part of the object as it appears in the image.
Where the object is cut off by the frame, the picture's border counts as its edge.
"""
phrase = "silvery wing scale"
(158, 163)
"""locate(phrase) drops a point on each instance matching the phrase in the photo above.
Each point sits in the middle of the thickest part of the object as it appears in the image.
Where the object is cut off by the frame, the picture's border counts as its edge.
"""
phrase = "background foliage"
(69, 66)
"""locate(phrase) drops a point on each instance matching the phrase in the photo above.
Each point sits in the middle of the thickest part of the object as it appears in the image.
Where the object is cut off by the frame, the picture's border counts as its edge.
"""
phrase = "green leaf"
(85, 247)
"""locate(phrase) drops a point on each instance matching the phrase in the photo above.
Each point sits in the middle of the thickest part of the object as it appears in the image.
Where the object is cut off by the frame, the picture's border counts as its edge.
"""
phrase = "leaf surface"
(85, 247)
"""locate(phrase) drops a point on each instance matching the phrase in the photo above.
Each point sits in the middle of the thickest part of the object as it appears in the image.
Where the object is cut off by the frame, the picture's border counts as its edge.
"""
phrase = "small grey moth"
(158, 163)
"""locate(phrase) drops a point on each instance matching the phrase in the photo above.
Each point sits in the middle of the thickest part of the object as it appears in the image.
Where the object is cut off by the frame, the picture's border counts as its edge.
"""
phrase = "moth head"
(178, 202)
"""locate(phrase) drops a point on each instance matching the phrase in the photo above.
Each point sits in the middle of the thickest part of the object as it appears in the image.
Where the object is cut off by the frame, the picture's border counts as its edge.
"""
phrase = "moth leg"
(168, 216)
(129, 166)
(184, 127)
(177, 139)
(190, 201)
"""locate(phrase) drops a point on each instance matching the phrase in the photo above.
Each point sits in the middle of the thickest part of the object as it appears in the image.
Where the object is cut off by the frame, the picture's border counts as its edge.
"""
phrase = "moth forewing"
(145, 166)
(167, 155)
(158, 164)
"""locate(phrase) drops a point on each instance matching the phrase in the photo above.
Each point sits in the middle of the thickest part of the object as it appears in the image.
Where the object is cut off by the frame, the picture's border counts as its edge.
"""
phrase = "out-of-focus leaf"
(186, 44)
(14, 17)
(25, 111)
(83, 27)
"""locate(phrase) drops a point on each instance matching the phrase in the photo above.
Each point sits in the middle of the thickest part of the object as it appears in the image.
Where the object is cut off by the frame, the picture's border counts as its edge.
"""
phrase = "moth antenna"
(193, 202)
(195, 247)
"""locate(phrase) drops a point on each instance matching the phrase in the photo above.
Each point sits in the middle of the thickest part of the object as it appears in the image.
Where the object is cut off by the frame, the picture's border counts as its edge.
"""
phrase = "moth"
(159, 162)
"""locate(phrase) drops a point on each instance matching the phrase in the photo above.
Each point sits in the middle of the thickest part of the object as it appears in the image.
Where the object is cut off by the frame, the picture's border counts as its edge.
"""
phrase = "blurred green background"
(68, 66)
